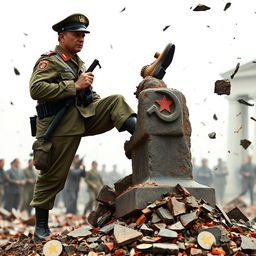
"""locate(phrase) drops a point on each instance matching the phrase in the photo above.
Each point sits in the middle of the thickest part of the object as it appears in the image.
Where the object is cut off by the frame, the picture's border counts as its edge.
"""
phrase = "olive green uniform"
(52, 81)
(92, 178)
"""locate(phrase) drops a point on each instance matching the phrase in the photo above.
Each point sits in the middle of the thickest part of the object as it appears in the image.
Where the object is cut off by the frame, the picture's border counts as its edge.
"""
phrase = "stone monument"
(159, 149)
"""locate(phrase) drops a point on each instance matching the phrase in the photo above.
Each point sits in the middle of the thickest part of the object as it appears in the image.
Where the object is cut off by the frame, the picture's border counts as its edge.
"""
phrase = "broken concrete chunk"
(237, 215)
(158, 226)
(182, 190)
(79, 232)
(146, 230)
(189, 218)
(155, 218)
(176, 207)
(206, 240)
(123, 184)
(245, 143)
(167, 233)
(165, 215)
(201, 7)
(212, 135)
(227, 6)
(107, 195)
(176, 226)
(165, 248)
(222, 87)
(124, 235)
(107, 229)
(248, 243)
(206, 208)
(191, 202)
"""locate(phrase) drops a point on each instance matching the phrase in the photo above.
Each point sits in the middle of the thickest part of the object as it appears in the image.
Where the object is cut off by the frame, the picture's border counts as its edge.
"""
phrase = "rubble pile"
(177, 224)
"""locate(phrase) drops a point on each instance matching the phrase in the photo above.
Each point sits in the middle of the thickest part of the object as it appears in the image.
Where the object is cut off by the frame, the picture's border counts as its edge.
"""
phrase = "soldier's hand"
(85, 80)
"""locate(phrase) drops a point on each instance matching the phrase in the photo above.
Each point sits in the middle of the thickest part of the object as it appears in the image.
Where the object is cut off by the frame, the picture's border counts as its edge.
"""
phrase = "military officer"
(94, 182)
(59, 76)
(27, 193)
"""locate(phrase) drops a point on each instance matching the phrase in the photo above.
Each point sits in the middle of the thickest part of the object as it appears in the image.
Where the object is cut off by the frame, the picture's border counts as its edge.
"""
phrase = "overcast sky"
(207, 43)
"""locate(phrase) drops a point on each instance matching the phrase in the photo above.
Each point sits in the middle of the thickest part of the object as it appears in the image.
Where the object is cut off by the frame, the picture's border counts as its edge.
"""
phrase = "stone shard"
(167, 233)
(146, 230)
(212, 135)
(124, 235)
(245, 143)
(79, 232)
(235, 71)
(227, 6)
(242, 101)
(107, 228)
(201, 7)
(155, 218)
(165, 248)
(188, 219)
(191, 203)
(248, 243)
(222, 87)
(176, 207)
(182, 190)
(176, 226)
(225, 216)
(206, 208)
(165, 215)
(107, 195)
(237, 215)
(123, 184)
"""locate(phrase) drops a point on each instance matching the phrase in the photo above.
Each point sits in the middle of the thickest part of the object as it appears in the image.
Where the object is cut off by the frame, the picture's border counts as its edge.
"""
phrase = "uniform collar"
(67, 56)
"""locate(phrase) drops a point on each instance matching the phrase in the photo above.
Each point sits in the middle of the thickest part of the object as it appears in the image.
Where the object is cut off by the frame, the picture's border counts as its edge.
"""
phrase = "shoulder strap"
(65, 63)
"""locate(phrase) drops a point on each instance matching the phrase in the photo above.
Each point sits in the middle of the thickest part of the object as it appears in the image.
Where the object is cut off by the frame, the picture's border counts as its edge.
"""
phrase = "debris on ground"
(176, 224)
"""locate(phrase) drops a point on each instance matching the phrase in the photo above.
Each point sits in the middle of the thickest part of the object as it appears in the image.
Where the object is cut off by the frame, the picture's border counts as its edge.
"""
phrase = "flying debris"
(166, 27)
(239, 129)
(16, 71)
(222, 87)
(123, 9)
(111, 46)
(25, 34)
(11, 103)
(245, 102)
(201, 7)
(235, 70)
(212, 135)
(245, 143)
(253, 118)
(215, 117)
(227, 6)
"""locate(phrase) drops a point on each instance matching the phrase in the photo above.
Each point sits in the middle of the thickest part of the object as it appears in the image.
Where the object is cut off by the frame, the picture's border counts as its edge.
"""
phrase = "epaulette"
(48, 53)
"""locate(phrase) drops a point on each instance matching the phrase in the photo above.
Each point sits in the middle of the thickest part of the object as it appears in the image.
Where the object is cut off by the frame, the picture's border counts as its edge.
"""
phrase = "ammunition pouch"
(33, 125)
(42, 154)
(51, 108)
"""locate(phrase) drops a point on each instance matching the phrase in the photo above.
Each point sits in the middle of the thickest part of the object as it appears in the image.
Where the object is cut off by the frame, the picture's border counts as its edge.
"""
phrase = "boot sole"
(164, 63)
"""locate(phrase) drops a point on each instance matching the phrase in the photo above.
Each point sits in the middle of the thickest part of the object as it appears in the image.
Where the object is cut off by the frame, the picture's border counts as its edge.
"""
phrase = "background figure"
(194, 169)
(3, 180)
(71, 189)
(248, 171)
(220, 180)
(204, 174)
(16, 181)
(95, 183)
(28, 189)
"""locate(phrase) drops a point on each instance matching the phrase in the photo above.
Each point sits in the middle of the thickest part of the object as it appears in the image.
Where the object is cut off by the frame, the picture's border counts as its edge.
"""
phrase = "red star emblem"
(164, 104)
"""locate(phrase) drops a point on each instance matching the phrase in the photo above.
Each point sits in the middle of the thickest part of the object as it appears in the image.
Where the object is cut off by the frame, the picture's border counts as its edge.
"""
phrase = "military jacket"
(51, 80)
(93, 177)
(29, 173)
(14, 175)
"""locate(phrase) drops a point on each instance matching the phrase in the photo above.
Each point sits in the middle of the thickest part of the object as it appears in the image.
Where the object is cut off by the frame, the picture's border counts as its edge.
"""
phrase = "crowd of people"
(17, 185)
(217, 177)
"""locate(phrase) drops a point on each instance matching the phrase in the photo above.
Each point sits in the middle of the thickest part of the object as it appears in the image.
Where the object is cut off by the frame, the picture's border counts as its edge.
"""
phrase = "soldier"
(220, 180)
(30, 176)
(204, 174)
(76, 172)
(248, 171)
(16, 180)
(3, 180)
(59, 79)
(195, 168)
(94, 182)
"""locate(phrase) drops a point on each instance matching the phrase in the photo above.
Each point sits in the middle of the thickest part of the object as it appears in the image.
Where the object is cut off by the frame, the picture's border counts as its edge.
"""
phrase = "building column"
(238, 115)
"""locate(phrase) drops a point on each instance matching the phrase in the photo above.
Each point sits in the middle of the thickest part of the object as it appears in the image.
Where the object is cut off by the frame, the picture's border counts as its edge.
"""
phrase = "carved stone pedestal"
(160, 150)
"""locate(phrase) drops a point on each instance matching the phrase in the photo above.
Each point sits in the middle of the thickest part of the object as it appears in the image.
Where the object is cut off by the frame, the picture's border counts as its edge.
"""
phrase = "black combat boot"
(41, 230)
(129, 125)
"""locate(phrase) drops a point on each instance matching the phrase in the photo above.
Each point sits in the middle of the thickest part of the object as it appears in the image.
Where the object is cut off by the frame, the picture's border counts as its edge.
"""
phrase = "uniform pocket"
(42, 154)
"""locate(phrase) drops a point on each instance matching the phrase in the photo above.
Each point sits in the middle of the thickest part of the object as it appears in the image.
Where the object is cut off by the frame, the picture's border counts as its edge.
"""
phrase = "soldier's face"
(72, 41)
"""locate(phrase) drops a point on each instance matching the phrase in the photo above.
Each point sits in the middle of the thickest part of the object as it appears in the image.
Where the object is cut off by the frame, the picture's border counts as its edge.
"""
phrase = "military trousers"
(110, 112)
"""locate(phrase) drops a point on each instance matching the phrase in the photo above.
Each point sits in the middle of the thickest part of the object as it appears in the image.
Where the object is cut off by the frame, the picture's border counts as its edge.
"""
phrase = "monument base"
(138, 197)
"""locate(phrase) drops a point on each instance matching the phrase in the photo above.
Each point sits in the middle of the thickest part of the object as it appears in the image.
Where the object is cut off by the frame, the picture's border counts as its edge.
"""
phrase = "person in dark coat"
(76, 172)
(16, 181)
(247, 172)
(204, 174)
(3, 180)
